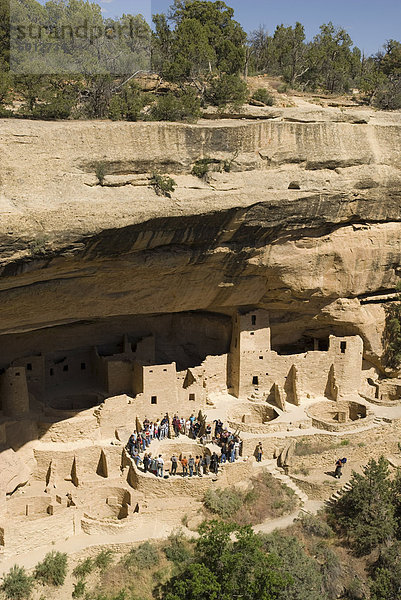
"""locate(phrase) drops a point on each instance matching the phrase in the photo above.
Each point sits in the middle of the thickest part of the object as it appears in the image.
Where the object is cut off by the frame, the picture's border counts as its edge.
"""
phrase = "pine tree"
(366, 513)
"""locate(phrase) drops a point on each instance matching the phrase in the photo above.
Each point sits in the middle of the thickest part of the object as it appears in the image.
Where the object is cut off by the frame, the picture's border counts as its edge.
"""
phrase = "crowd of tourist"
(188, 466)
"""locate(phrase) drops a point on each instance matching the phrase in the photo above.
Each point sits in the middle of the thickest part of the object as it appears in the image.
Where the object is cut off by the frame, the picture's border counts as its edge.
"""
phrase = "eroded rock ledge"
(312, 256)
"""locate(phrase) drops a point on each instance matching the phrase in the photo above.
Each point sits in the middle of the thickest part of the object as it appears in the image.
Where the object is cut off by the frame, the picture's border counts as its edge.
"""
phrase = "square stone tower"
(250, 346)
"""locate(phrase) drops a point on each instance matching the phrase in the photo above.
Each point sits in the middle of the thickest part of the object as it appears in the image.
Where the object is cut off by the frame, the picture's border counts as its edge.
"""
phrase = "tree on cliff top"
(205, 40)
(330, 59)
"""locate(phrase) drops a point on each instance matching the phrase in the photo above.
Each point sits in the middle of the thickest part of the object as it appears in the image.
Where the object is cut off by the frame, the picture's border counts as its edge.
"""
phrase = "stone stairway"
(337, 495)
(271, 467)
(257, 396)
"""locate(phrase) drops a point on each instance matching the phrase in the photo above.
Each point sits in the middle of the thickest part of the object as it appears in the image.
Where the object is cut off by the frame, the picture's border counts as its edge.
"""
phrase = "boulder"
(14, 472)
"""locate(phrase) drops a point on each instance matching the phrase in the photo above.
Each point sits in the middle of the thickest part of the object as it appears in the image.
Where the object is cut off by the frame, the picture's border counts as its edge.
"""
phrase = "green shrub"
(120, 109)
(17, 584)
(5, 113)
(386, 573)
(330, 568)
(6, 82)
(262, 95)
(315, 526)
(176, 548)
(224, 503)
(355, 590)
(163, 185)
(144, 556)
(388, 97)
(305, 572)
(303, 470)
(53, 569)
(121, 595)
(127, 104)
(345, 442)
(79, 589)
(283, 88)
(202, 166)
(184, 107)
(227, 89)
(83, 568)
(58, 108)
(227, 165)
(306, 447)
(103, 560)
(101, 171)
(37, 247)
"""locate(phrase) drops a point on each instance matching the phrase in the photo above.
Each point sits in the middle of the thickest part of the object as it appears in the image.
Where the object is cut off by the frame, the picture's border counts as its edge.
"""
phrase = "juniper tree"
(366, 513)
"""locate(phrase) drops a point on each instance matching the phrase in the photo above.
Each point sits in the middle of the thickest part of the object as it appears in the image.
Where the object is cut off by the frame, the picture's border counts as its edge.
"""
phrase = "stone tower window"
(65, 368)
(29, 367)
(255, 380)
(51, 372)
(253, 319)
(343, 347)
(153, 400)
(192, 397)
(260, 357)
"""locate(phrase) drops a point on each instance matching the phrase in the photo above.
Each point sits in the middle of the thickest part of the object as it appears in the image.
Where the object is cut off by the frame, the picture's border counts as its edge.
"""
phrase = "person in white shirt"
(160, 466)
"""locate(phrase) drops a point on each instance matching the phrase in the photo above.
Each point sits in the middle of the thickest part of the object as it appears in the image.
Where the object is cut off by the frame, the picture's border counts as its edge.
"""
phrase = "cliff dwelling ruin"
(242, 299)
(66, 415)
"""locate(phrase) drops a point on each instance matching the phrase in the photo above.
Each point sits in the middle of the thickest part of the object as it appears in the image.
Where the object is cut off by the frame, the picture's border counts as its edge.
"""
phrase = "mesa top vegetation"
(200, 52)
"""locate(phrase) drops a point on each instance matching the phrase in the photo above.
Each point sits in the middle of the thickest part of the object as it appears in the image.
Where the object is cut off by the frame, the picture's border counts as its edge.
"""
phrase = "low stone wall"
(339, 427)
(22, 535)
(28, 506)
(99, 526)
(195, 487)
(90, 461)
(157, 487)
(272, 427)
(321, 415)
(71, 429)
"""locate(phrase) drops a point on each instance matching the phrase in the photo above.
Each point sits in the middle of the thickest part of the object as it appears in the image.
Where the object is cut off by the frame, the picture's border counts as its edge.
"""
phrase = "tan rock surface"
(310, 256)
(13, 472)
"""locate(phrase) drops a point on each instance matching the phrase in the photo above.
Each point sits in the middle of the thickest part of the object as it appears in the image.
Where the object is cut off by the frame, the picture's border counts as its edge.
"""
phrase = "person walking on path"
(259, 452)
(339, 466)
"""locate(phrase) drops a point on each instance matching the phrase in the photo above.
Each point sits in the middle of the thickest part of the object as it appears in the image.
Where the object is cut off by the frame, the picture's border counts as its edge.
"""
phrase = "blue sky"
(369, 22)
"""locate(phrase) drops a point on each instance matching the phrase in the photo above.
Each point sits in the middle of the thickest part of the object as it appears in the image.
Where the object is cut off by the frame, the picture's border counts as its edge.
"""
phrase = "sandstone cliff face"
(320, 258)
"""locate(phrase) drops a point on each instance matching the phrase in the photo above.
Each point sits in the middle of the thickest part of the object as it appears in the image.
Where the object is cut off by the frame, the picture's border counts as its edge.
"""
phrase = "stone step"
(286, 480)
